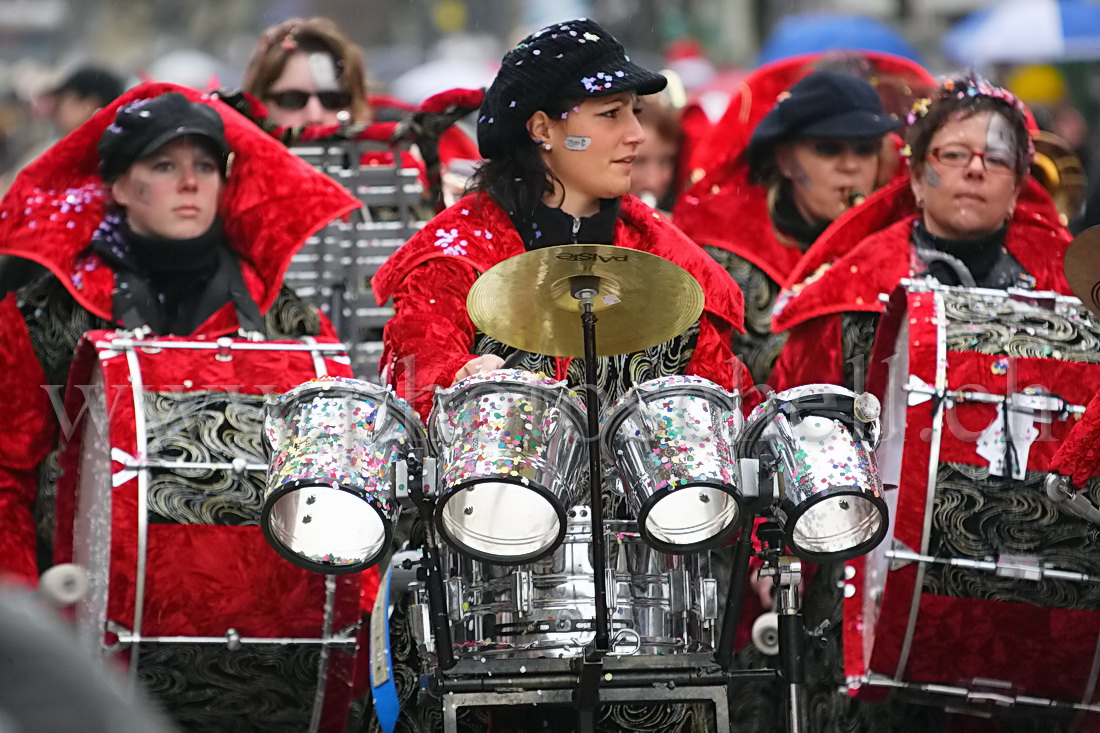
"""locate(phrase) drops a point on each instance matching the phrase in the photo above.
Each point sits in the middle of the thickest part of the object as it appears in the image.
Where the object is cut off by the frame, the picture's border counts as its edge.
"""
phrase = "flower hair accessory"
(971, 86)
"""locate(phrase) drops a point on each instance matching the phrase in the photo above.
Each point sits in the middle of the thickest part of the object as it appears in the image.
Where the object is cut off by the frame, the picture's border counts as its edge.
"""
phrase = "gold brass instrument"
(1059, 170)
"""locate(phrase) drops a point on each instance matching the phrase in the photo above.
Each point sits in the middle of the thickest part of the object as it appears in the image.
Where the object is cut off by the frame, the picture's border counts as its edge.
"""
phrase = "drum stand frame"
(578, 681)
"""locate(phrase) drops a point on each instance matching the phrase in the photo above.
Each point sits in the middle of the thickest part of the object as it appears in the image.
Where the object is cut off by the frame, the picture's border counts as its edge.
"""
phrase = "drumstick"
(514, 359)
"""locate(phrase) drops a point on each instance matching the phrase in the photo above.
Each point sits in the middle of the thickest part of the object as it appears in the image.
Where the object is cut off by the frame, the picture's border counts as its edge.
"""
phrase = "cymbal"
(643, 300)
(1082, 266)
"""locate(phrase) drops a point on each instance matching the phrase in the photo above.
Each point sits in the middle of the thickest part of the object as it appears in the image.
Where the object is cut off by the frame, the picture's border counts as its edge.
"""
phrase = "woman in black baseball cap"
(559, 131)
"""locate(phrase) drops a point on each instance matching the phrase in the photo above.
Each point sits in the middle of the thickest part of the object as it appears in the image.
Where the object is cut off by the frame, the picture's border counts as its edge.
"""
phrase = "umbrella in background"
(1023, 31)
(819, 32)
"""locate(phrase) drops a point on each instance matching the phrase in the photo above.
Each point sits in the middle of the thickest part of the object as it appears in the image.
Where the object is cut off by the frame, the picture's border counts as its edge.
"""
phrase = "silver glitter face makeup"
(577, 142)
(323, 70)
(998, 135)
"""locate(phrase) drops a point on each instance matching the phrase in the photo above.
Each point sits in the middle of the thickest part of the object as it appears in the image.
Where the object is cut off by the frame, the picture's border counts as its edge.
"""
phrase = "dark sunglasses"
(833, 148)
(296, 99)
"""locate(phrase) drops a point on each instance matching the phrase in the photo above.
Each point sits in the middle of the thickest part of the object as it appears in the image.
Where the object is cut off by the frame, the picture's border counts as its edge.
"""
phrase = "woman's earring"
(546, 147)
(920, 203)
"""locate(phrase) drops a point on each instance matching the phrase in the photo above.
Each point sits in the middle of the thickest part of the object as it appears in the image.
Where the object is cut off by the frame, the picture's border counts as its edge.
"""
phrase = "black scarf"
(548, 227)
(788, 219)
(172, 285)
(985, 258)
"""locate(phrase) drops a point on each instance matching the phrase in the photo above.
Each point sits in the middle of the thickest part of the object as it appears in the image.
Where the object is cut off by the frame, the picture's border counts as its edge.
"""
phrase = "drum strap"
(387, 706)
(129, 290)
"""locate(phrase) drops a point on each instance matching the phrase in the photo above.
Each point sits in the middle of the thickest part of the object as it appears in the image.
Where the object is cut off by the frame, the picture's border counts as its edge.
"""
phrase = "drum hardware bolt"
(239, 465)
(844, 505)
(307, 519)
(468, 511)
(311, 500)
(233, 640)
(225, 349)
(704, 498)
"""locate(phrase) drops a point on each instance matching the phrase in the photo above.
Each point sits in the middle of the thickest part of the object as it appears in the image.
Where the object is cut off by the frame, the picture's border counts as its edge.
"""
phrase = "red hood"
(852, 269)
(271, 204)
(899, 80)
(731, 213)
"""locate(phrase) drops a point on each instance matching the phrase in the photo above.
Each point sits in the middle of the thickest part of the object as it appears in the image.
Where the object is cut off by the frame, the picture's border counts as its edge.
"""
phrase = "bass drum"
(985, 588)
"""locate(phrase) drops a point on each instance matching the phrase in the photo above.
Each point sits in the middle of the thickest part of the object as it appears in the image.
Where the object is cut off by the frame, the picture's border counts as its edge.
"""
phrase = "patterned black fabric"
(758, 348)
(615, 375)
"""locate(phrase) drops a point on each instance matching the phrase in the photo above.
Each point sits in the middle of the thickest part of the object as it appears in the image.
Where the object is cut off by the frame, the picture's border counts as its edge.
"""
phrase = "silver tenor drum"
(821, 439)
(674, 441)
(662, 603)
(330, 504)
(511, 451)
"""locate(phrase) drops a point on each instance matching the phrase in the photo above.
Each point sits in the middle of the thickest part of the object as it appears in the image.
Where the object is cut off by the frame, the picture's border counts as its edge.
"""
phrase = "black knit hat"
(89, 81)
(824, 105)
(144, 126)
(575, 59)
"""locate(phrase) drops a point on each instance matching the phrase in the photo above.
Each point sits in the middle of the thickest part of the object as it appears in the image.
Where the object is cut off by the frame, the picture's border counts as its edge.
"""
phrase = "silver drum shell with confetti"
(831, 496)
(511, 451)
(663, 604)
(330, 503)
(673, 441)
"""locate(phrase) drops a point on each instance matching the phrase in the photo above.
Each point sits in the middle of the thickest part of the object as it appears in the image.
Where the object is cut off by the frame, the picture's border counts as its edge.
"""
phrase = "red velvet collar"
(733, 214)
(862, 268)
(271, 204)
(478, 233)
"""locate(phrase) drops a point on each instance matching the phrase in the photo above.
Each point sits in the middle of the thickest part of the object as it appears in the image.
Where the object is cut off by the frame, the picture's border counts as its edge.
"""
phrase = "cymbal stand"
(421, 491)
(586, 696)
(786, 573)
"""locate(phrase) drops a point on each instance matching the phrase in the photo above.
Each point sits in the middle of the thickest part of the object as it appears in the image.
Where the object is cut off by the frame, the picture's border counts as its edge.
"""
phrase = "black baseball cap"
(146, 125)
(825, 105)
(574, 59)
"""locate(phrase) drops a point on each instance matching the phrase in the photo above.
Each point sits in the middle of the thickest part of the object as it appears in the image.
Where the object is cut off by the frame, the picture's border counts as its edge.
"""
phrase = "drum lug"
(678, 589)
(611, 589)
(521, 585)
(455, 589)
(225, 349)
(707, 599)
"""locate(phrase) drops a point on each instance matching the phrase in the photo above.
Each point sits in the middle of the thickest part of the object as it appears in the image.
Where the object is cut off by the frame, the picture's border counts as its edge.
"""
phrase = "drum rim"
(714, 541)
(794, 513)
(614, 415)
(451, 491)
(572, 403)
(312, 565)
(409, 418)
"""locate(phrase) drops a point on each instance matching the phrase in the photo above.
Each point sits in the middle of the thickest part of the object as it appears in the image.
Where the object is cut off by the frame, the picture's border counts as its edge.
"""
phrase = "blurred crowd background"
(1043, 50)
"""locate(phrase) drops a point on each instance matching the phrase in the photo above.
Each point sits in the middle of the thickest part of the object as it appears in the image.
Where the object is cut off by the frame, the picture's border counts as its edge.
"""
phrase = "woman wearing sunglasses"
(306, 81)
(820, 149)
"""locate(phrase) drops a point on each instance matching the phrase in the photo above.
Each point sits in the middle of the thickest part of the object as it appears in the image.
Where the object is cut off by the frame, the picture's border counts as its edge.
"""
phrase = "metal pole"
(735, 596)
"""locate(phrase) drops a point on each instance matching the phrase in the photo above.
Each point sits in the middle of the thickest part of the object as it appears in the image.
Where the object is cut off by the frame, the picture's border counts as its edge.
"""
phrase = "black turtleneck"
(548, 227)
(985, 259)
(165, 283)
(788, 219)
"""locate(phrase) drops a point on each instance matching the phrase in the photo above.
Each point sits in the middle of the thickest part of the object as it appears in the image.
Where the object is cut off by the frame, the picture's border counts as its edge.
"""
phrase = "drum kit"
(520, 565)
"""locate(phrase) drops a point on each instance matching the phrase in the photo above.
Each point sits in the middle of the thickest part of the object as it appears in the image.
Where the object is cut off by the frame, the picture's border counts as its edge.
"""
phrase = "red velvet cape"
(272, 202)
(429, 277)
(847, 271)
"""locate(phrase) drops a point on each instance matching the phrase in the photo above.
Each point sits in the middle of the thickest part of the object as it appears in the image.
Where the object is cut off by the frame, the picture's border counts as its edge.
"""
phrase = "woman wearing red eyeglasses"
(777, 173)
(968, 214)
